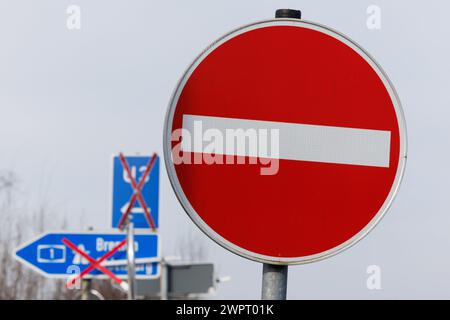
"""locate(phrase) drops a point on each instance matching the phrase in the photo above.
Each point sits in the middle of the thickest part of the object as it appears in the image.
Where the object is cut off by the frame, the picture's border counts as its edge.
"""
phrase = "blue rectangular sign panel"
(48, 255)
(123, 191)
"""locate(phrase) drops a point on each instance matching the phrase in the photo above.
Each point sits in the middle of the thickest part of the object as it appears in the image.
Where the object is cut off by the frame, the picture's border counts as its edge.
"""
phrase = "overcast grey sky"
(70, 99)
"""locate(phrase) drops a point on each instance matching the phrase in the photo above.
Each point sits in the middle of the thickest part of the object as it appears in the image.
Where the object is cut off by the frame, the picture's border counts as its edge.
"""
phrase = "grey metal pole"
(130, 260)
(164, 280)
(86, 286)
(274, 278)
(274, 282)
(288, 13)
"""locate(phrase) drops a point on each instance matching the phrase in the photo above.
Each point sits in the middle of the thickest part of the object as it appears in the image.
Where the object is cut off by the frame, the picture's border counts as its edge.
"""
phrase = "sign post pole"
(164, 280)
(274, 282)
(130, 259)
(274, 277)
(86, 286)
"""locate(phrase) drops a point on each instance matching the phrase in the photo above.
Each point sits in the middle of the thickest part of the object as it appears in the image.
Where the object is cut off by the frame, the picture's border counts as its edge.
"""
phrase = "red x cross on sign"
(95, 264)
(137, 188)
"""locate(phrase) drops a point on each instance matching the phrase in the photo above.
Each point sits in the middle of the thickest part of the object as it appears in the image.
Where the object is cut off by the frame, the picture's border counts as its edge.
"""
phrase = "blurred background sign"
(48, 255)
(122, 191)
(182, 279)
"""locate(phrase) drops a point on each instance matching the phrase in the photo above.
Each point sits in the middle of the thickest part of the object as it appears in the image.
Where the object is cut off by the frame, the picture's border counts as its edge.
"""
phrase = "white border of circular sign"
(207, 229)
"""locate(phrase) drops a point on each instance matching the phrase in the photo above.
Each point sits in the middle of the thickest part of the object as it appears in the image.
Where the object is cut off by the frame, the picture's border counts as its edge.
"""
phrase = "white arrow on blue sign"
(122, 191)
(48, 255)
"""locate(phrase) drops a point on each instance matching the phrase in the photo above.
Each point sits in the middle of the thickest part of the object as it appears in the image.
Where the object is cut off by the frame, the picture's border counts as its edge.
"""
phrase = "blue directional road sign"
(48, 255)
(122, 191)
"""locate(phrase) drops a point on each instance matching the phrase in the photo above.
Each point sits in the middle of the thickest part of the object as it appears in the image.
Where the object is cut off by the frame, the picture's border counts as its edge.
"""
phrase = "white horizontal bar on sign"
(303, 142)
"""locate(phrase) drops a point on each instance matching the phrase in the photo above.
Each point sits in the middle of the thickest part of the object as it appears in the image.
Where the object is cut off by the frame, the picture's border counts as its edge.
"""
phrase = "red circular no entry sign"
(285, 142)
